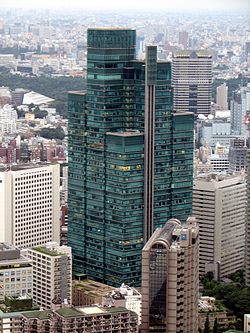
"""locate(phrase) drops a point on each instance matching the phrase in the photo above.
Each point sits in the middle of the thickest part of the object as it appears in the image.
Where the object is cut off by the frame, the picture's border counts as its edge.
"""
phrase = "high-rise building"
(170, 279)
(183, 39)
(192, 81)
(247, 247)
(29, 204)
(237, 154)
(221, 96)
(130, 158)
(15, 272)
(219, 204)
(240, 111)
(52, 274)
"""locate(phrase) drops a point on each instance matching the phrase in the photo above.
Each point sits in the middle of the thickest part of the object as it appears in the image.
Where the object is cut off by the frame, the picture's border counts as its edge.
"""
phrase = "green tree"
(52, 133)
(207, 325)
(216, 328)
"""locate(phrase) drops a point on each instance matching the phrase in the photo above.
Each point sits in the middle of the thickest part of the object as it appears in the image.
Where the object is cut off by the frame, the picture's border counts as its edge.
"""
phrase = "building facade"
(15, 272)
(29, 204)
(247, 239)
(192, 81)
(170, 279)
(219, 205)
(221, 97)
(52, 274)
(126, 153)
(74, 320)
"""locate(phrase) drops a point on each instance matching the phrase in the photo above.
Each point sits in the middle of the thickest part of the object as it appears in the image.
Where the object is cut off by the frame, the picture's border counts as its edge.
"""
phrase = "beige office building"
(221, 97)
(29, 204)
(192, 81)
(170, 279)
(219, 205)
(52, 274)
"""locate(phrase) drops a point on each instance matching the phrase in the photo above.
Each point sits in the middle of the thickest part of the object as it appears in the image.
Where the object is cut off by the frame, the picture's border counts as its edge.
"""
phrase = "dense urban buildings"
(29, 204)
(130, 158)
(219, 204)
(192, 81)
(170, 279)
(52, 274)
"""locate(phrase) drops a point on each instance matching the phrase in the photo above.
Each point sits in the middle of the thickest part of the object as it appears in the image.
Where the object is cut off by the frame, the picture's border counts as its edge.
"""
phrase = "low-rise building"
(208, 307)
(73, 320)
(15, 272)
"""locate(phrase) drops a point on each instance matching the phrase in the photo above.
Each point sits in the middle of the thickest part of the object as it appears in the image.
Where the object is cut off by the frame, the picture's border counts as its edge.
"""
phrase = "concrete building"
(247, 248)
(52, 274)
(15, 272)
(247, 323)
(8, 120)
(10, 312)
(29, 204)
(237, 154)
(237, 116)
(170, 279)
(221, 97)
(219, 205)
(89, 292)
(74, 320)
(207, 307)
(192, 81)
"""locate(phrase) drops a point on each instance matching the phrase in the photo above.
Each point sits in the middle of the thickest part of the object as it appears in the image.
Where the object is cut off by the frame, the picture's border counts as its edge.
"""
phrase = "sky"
(227, 5)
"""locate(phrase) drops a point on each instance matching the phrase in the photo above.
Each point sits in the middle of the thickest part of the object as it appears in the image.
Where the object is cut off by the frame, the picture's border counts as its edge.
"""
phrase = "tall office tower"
(29, 204)
(240, 111)
(192, 81)
(52, 274)
(130, 158)
(237, 117)
(237, 154)
(221, 97)
(219, 204)
(15, 273)
(183, 39)
(170, 279)
(247, 247)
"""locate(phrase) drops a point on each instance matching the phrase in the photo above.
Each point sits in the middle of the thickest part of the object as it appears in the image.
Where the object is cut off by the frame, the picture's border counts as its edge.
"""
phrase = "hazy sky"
(136, 4)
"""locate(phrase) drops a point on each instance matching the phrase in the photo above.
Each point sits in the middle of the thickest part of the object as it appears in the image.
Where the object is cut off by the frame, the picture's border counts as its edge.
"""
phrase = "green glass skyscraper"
(130, 158)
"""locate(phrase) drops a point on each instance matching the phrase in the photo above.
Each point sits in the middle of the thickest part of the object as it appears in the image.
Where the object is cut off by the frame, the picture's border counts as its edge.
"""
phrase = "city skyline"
(179, 5)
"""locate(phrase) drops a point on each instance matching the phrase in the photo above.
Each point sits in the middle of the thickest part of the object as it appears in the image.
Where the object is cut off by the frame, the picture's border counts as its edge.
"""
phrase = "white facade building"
(52, 274)
(8, 120)
(219, 205)
(29, 204)
(15, 272)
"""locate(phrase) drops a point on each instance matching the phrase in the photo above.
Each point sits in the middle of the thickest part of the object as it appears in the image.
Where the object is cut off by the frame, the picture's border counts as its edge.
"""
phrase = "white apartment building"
(15, 272)
(52, 274)
(219, 205)
(29, 204)
(8, 120)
